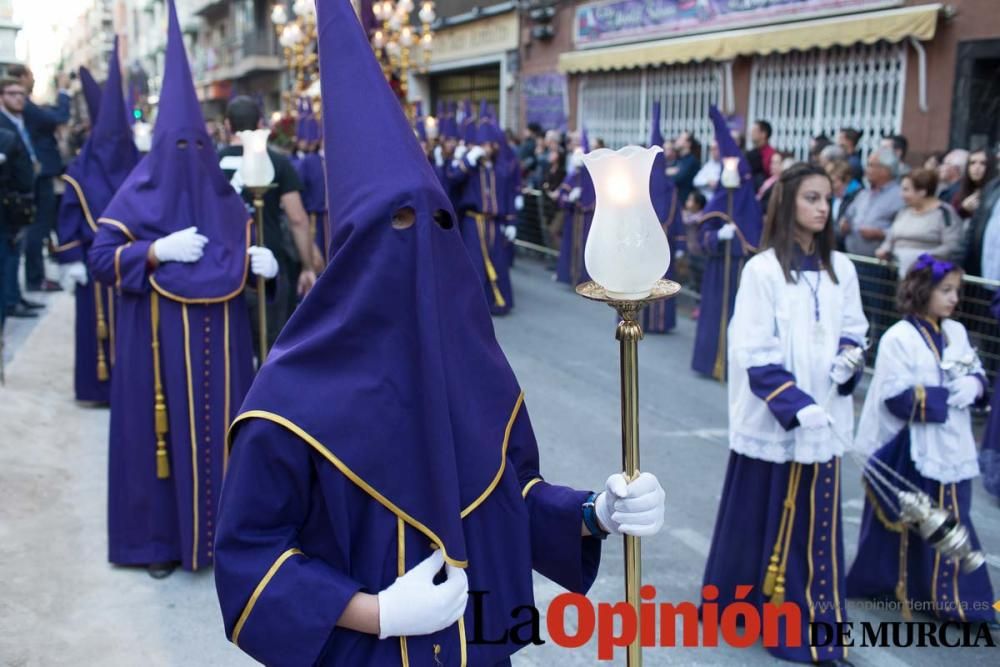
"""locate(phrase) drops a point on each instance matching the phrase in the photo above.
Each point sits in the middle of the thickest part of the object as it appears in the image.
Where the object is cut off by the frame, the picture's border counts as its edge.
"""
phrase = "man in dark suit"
(42, 122)
(17, 175)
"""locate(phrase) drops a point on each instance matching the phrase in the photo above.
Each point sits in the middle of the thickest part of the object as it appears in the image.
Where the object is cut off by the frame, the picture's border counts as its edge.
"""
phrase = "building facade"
(475, 57)
(8, 35)
(916, 67)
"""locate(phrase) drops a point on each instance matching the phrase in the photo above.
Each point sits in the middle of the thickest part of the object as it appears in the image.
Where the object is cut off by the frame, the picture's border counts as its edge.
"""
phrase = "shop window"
(804, 94)
(617, 106)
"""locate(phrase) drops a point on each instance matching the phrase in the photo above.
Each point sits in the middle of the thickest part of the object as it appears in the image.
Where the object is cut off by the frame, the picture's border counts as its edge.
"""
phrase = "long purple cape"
(179, 184)
(390, 368)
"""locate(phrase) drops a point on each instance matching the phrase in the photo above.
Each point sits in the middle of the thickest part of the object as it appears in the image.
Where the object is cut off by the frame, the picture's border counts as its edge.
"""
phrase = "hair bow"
(939, 267)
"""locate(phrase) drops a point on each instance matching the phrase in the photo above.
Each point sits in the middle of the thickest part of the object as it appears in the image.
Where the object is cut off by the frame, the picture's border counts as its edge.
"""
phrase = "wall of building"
(929, 131)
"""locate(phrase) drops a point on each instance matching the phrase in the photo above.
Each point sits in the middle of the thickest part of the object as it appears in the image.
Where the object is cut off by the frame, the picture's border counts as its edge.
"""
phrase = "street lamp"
(399, 42)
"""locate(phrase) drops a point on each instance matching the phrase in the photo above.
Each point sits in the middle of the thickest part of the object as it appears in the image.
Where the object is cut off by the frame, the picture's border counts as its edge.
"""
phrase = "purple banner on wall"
(627, 20)
(544, 98)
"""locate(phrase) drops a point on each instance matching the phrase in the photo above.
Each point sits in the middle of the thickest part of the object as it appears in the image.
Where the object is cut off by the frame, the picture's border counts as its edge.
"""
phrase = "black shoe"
(841, 662)
(45, 286)
(31, 305)
(161, 570)
(20, 311)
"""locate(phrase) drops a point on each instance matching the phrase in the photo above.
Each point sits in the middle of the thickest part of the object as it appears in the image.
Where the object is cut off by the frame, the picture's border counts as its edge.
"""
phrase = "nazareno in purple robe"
(485, 195)
(183, 335)
(386, 421)
(311, 170)
(577, 216)
(661, 316)
(724, 259)
(92, 179)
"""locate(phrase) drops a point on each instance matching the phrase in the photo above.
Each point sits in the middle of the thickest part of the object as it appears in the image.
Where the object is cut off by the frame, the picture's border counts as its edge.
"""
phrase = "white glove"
(519, 203)
(460, 152)
(510, 231)
(846, 364)
(631, 508)
(964, 391)
(186, 245)
(71, 275)
(413, 605)
(3, 158)
(262, 262)
(726, 232)
(679, 254)
(439, 156)
(574, 194)
(474, 154)
(812, 417)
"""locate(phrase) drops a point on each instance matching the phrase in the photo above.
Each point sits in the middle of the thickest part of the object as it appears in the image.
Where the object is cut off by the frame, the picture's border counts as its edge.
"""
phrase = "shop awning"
(893, 25)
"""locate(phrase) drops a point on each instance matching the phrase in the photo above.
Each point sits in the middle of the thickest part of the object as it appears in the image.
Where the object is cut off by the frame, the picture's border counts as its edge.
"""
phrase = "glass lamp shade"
(627, 249)
(143, 135)
(256, 168)
(278, 15)
(730, 172)
(305, 8)
(431, 127)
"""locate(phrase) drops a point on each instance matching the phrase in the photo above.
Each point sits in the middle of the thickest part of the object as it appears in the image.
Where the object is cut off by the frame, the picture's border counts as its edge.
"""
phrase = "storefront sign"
(544, 98)
(616, 21)
(490, 36)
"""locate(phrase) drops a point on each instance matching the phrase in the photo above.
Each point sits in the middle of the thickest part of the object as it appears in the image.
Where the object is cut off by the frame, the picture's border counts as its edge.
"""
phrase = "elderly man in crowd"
(950, 173)
(871, 213)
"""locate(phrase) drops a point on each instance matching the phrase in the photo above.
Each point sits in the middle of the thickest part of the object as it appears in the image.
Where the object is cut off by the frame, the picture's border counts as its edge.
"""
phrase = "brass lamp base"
(629, 334)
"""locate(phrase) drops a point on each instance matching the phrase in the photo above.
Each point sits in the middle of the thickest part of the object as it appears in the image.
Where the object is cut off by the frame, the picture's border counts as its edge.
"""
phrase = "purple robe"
(480, 205)
(330, 540)
(183, 333)
(661, 316)
(746, 530)
(312, 173)
(91, 181)
(724, 259)
(390, 358)
(577, 216)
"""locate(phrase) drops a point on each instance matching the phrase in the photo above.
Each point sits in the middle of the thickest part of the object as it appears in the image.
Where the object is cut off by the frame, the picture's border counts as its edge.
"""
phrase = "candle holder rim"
(661, 289)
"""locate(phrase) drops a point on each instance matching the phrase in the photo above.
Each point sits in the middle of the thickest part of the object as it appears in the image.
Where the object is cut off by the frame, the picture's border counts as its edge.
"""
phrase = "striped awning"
(893, 25)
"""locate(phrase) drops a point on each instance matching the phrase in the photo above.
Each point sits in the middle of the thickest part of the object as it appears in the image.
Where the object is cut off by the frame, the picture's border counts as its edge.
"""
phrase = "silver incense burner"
(939, 529)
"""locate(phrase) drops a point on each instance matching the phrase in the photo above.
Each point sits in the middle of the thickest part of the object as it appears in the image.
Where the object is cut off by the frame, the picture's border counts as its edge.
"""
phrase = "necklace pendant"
(818, 333)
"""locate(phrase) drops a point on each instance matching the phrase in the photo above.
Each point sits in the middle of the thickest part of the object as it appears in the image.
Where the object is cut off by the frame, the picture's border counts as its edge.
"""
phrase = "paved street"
(62, 604)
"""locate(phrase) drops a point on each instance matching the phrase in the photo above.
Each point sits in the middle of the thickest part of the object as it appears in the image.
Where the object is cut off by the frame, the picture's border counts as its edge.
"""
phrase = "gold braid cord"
(774, 581)
(491, 272)
(159, 401)
(102, 334)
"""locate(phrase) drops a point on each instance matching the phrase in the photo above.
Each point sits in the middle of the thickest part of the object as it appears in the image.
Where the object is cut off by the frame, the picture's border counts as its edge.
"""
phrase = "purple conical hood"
(470, 131)
(109, 154)
(745, 208)
(391, 357)
(179, 184)
(179, 109)
(91, 93)
(418, 120)
(584, 140)
(111, 137)
(655, 136)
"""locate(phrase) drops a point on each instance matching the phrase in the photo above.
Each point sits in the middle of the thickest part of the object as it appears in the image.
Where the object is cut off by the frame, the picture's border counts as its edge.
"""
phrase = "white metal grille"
(617, 106)
(803, 94)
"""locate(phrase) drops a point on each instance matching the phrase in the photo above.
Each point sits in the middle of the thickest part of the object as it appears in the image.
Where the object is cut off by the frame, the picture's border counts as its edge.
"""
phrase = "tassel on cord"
(102, 335)
(159, 401)
(491, 272)
(784, 539)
